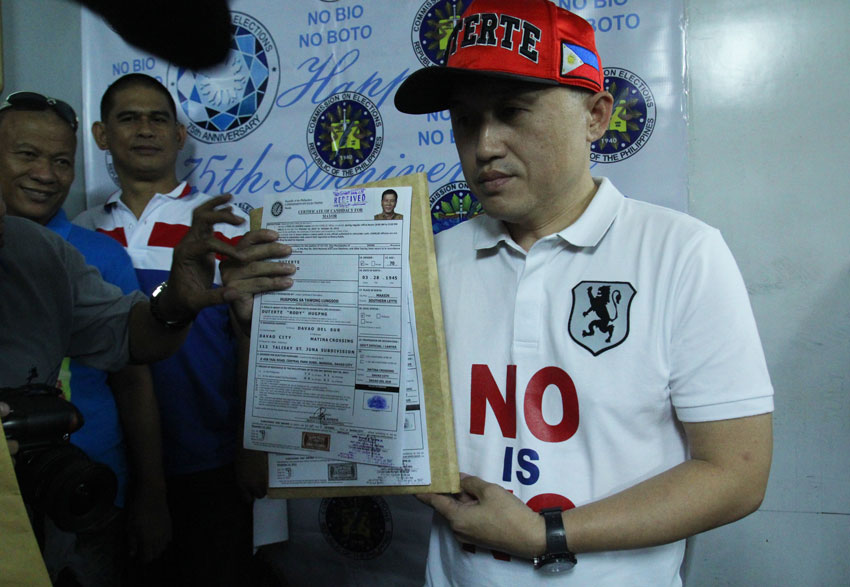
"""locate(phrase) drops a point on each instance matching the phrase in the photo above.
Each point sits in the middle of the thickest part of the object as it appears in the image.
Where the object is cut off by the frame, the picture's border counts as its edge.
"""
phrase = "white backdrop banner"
(305, 102)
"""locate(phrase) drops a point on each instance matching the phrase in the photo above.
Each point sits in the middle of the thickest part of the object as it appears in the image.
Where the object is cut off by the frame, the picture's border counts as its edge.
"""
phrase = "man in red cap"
(610, 390)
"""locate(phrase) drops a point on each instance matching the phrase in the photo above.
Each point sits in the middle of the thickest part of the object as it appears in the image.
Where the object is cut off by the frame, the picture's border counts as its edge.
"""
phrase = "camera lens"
(62, 482)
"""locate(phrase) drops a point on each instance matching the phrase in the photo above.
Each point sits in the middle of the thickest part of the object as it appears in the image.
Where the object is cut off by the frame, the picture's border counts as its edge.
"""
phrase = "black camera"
(56, 478)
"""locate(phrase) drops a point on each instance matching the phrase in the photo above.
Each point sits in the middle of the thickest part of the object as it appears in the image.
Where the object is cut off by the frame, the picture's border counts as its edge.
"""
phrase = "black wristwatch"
(156, 311)
(557, 557)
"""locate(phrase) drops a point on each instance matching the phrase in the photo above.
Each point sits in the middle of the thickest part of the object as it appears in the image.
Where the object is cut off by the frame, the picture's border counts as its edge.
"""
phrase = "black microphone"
(191, 34)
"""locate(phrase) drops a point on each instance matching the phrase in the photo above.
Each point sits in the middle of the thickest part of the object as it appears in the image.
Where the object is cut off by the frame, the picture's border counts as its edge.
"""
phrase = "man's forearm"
(723, 481)
(696, 496)
(138, 410)
(149, 521)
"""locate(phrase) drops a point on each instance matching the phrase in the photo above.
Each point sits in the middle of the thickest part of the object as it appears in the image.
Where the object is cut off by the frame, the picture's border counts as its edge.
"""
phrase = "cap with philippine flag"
(529, 40)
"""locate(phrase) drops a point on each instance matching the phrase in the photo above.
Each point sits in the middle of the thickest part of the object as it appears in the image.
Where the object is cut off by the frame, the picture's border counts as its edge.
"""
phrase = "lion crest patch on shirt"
(599, 318)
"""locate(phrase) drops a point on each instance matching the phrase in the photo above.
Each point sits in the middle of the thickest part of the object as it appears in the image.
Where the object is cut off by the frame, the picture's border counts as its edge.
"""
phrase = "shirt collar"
(491, 233)
(60, 224)
(587, 231)
(592, 225)
(183, 189)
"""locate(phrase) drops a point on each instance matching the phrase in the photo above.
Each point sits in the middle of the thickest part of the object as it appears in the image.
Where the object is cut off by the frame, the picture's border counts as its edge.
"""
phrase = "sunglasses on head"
(36, 101)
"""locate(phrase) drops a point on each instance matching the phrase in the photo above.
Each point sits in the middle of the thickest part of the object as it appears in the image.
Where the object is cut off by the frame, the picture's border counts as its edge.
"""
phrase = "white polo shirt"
(572, 365)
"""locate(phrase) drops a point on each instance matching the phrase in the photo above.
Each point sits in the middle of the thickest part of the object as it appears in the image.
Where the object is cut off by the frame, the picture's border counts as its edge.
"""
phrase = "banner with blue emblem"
(304, 102)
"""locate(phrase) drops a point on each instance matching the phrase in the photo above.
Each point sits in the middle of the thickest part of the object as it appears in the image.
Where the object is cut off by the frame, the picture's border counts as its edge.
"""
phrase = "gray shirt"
(53, 305)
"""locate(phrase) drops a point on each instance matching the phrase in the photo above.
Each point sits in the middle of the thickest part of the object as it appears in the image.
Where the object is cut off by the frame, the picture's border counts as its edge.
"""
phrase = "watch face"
(557, 565)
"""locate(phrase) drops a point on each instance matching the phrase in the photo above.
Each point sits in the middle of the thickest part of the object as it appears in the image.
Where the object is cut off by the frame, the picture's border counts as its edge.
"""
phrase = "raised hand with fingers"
(253, 271)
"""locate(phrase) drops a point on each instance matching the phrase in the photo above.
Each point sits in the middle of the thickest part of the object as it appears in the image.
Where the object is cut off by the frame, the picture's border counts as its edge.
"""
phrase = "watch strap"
(558, 557)
(156, 310)
(556, 536)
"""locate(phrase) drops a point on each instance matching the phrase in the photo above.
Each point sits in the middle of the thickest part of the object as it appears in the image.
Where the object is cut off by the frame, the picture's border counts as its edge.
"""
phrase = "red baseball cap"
(528, 40)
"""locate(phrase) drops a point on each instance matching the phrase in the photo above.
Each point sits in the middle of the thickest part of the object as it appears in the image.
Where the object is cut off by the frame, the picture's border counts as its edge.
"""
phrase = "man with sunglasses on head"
(37, 151)
(610, 391)
(53, 305)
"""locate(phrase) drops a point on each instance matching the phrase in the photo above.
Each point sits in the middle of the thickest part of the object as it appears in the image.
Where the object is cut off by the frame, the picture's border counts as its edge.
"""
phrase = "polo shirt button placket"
(531, 291)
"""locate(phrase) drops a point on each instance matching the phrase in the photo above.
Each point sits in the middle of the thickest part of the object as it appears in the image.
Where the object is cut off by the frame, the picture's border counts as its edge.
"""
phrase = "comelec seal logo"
(357, 527)
(632, 119)
(228, 102)
(345, 134)
(451, 204)
(432, 27)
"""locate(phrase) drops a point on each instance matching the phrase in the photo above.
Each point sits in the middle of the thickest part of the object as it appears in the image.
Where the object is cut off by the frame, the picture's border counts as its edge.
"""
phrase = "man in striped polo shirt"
(196, 388)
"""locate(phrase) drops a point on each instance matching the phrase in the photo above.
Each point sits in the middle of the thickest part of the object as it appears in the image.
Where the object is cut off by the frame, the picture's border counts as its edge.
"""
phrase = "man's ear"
(599, 107)
(181, 135)
(98, 131)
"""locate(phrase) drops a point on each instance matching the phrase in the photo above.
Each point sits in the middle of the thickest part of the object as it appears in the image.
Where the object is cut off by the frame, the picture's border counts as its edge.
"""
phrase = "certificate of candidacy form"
(328, 360)
(289, 470)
